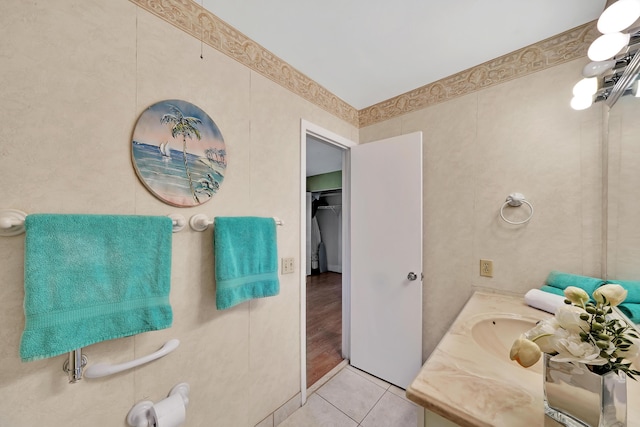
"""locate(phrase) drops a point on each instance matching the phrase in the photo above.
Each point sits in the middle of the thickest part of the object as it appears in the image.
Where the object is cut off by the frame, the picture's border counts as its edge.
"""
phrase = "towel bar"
(200, 222)
(12, 222)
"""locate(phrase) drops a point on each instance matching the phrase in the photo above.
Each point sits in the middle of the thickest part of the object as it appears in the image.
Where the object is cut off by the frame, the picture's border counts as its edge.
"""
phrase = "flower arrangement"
(583, 332)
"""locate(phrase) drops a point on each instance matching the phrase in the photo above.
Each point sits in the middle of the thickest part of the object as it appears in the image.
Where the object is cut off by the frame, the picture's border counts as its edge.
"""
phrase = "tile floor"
(354, 398)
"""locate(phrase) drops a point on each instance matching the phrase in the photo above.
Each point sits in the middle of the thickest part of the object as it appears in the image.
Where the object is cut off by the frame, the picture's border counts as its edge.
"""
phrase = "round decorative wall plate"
(178, 153)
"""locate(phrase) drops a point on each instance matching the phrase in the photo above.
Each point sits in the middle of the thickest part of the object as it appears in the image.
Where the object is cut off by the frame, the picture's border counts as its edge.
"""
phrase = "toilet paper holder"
(141, 415)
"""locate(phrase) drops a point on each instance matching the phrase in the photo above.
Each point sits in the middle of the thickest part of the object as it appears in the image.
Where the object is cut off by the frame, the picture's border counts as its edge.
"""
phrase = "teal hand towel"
(246, 259)
(91, 278)
(633, 290)
(560, 280)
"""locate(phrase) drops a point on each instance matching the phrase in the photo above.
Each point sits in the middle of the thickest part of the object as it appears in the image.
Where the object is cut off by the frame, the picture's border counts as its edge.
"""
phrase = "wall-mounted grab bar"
(12, 222)
(103, 369)
(200, 222)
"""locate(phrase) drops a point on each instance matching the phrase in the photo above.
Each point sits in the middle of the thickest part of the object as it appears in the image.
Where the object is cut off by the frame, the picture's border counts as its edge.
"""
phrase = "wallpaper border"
(203, 25)
(564, 47)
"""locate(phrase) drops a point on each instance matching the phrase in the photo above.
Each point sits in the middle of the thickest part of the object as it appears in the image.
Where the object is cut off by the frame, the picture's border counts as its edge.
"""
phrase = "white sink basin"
(496, 332)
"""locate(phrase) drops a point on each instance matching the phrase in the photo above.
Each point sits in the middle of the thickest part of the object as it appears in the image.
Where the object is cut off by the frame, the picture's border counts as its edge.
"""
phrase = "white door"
(386, 248)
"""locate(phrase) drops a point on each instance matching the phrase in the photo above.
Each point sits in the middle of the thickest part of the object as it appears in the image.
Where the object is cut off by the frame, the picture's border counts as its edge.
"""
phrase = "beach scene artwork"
(178, 153)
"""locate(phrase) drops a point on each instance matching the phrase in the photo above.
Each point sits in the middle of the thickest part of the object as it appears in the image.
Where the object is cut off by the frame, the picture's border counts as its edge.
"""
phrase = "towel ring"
(516, 200)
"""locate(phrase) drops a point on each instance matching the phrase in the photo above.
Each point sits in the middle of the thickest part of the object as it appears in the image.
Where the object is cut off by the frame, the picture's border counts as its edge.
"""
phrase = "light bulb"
(596, 68)
(581, 102)
(619, 16)
(607, 45)
(586, 87)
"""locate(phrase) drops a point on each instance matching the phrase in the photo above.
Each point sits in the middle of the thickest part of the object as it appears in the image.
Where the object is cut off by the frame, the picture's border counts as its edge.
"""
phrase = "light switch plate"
(287, 266)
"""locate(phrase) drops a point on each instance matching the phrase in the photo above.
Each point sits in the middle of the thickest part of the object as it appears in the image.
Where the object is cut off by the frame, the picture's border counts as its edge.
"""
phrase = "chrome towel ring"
(515, 200)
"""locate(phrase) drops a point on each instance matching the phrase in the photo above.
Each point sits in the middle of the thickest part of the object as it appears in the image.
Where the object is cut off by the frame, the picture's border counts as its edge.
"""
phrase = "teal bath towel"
(91, 278)
(246, 259)
(559, 280)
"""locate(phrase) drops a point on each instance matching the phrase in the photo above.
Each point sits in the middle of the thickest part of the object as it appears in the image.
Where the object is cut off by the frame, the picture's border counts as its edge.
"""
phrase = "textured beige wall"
(75, 76)
(520, 136)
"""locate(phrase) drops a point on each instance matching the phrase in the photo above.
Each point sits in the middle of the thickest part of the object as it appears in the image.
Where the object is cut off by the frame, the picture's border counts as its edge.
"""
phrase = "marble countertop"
(478, 386)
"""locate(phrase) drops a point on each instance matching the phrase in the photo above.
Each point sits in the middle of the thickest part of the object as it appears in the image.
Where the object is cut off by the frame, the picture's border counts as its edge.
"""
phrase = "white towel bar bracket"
(11, 222)
(179, 222)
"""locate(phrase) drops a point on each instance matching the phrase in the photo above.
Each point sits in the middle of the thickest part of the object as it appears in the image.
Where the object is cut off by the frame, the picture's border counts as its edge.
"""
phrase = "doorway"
(324, 166)
(324, 265)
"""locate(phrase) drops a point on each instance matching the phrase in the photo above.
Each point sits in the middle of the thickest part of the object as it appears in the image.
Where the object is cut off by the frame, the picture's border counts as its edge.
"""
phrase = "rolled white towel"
(543, 300)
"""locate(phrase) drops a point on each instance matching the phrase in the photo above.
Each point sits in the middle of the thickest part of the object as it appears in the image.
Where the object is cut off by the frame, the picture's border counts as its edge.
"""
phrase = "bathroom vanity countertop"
(478, 386)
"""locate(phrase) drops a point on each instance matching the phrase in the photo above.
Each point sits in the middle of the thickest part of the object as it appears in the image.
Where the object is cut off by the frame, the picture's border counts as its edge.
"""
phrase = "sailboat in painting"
(165, 150)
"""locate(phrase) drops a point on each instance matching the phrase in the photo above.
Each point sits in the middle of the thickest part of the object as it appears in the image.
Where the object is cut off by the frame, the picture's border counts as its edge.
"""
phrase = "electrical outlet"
(287, 265)
(486, 267)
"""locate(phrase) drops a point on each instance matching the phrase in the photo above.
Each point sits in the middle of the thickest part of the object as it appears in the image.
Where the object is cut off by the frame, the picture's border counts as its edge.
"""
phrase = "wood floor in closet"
(324, 324)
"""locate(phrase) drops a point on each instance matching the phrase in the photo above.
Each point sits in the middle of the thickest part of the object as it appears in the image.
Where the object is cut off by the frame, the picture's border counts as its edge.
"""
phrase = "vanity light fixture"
(586, 86)
(614, 65)
(596, 68)
(607, 45)
(619, 16)
(581, 102)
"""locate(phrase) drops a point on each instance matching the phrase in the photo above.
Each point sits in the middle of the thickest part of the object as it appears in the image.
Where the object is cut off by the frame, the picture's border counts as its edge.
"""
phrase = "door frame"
(308, 128)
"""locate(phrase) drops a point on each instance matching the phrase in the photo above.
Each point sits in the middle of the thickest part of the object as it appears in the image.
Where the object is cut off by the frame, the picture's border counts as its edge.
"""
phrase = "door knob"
(412, 276)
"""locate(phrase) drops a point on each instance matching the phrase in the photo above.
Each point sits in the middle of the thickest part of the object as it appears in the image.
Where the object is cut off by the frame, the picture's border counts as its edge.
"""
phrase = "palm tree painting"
(193, 173)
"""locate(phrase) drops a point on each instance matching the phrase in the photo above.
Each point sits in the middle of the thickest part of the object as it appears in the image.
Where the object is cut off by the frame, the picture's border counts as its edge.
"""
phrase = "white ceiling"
(367, 51)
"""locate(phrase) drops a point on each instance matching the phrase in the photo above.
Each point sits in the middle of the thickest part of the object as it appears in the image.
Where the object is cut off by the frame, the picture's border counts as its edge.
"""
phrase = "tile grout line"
(374, 405)
(338, 409)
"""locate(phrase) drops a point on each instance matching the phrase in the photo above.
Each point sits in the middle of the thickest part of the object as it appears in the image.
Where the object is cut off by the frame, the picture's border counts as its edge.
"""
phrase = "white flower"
(571, 348)
(614, 294)
(525, 352)
(576, 295)
(543, 334)
(568, 317)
